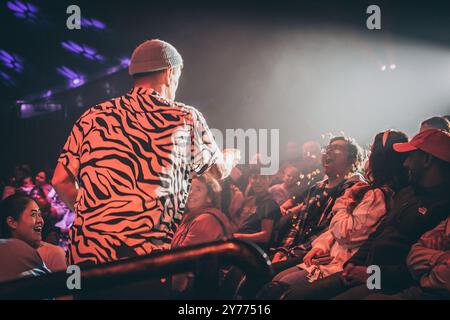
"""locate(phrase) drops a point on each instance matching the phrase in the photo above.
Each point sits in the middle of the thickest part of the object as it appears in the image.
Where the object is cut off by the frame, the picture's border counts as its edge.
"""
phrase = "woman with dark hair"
(20, 232)
(50, 233)
(356, 215)
(259, 216)
(53, 255)
(202, 222)
(22, 218)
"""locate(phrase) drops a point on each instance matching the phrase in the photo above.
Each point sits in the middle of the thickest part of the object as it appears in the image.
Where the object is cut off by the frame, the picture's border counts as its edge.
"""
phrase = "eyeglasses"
(334, 149)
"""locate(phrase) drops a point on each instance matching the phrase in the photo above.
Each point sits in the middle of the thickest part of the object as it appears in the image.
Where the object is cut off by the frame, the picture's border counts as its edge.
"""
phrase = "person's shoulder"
(269, 203)
(94, 111)
(18, 247)
(15, 243)
(205, 218)
(188, 109)
(52, 248)
(355, 178)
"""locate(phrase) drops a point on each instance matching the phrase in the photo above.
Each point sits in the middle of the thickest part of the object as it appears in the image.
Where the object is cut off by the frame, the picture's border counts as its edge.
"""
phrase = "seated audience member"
(283, 191)
(310, 160)
(20, 232)
(9, 189)
(40, 180)
(53, 256)
(414, 210)
(355, 216)
(435, 123)
(26, 185)
(292, 154)
(429, 264)
(16, 181)
(202, 221)
(50, 233)
(231, 196)
(260, 213)
(308, 165)
(310, 213)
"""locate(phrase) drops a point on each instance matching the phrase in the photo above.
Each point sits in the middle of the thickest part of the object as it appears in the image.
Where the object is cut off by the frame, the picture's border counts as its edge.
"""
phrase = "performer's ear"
(167, 74)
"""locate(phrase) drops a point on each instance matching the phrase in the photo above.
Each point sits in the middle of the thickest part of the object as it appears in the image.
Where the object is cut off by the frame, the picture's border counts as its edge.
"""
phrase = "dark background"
(304, 67)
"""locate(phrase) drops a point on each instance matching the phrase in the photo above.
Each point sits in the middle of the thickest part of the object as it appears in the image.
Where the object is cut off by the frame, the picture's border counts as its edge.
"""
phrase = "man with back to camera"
(132, 158)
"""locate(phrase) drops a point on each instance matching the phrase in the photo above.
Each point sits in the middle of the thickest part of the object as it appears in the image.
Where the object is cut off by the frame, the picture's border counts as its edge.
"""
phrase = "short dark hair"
(13, 206)
(438, 123)
(355, 152)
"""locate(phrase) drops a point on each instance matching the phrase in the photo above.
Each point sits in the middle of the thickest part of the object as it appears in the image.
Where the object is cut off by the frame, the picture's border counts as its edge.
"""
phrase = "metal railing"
(204, 260)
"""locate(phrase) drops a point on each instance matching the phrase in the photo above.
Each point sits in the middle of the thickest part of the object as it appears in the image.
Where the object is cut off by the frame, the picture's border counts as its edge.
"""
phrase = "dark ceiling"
(37, 41)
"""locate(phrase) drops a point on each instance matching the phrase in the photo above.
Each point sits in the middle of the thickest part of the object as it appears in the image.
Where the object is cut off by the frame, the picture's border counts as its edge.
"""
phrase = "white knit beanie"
(154, 55)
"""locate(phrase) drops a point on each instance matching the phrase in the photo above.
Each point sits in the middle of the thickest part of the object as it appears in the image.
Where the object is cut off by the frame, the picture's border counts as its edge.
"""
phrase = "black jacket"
(412, 213)
(312, 220)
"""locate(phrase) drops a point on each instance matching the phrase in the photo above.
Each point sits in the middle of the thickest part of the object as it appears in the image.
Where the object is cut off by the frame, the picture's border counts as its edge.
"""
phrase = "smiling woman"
(20, 229)
(21, 219)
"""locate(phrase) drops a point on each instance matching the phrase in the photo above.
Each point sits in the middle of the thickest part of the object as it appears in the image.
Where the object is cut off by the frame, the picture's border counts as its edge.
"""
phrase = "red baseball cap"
(433, 141)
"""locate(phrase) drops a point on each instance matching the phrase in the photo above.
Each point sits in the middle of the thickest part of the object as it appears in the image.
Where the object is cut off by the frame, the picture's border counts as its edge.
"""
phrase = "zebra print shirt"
(133, 157)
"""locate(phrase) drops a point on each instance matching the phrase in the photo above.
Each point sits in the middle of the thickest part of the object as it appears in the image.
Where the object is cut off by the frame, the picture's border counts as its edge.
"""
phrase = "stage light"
(6, 79)
(47, 94)
(383, 68)
(23, 10)
(77, 82)
(87, 52)
(11, 61)
(93, 23)
(28, 110)
(75, 79)
(125, 62)
(392, 66)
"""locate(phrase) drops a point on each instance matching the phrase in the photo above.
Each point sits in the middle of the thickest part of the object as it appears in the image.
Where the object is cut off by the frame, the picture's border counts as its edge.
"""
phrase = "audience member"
(435, 123)
(260, 214)
(309, 214)
(20, 232)
(414, 210)
(283, 191)
(355, 216)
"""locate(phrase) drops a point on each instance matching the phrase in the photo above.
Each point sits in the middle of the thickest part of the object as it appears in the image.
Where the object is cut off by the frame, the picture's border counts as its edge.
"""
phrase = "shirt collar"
(140, 99)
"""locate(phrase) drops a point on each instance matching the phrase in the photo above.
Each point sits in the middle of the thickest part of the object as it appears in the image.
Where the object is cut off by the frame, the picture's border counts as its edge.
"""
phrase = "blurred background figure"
(285, 190)
(40, 180)
(258, 219)
(435, 123)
